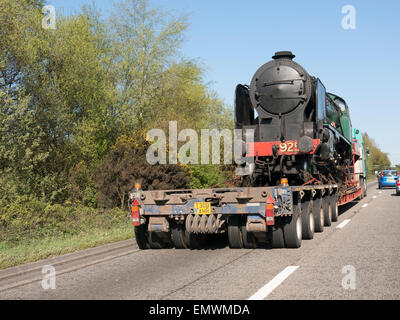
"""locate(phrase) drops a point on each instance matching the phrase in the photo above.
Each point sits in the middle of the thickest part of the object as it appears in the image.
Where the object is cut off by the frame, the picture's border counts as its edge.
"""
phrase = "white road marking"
(364, 205)
(374, 197)
(380, 192)
(274, 283)
(344, 222)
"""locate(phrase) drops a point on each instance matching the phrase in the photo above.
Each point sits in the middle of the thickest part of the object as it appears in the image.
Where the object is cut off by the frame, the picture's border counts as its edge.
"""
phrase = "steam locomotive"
(301, 132)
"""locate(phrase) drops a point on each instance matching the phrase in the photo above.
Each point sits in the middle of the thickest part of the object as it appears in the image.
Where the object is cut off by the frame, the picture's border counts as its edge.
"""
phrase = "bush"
(126, 164)
(205, 176)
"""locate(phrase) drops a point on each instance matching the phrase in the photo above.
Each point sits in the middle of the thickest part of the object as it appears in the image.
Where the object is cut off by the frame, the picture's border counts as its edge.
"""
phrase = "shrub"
(126, 164)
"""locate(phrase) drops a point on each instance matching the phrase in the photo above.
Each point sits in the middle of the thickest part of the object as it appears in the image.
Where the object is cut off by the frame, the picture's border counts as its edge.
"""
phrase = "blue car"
(388, 178)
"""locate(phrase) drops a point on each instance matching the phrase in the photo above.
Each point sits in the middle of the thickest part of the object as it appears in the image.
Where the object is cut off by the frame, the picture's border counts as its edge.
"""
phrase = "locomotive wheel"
(141, 237)
(278, 240)
(318, 213)
(156, 240)
(249, 240)
(334, 207)
(292, 229)
(234, 232)
(307, 220)
(178, 235)
(326, 201)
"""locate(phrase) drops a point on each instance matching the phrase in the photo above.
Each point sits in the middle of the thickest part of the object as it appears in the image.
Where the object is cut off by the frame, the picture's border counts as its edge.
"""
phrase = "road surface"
(358, 257)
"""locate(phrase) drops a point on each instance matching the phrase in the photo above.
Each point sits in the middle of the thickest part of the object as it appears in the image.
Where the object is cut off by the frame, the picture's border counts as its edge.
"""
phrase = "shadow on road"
(347, 206)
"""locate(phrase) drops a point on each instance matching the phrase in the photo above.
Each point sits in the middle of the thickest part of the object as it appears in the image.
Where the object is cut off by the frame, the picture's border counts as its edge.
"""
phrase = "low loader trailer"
(278, 216)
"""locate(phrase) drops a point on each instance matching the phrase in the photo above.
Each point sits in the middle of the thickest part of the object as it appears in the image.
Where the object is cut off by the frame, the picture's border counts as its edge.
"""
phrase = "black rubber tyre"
(307, 220)
(326, 201)
(234, 232)
(155, 240)
(334, 207)
(141, 237)
(178, 235)
(249, 240)
(365, 187)
(277, 241)
(292, 229)
(362, 195)
(194, 241)
(318, 213)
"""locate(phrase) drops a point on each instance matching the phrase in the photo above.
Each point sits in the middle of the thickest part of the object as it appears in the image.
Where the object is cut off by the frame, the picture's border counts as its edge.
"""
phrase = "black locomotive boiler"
(301, 132)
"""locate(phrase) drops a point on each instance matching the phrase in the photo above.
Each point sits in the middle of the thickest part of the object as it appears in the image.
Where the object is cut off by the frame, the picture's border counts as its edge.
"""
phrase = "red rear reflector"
(135, 213)
(269, 211)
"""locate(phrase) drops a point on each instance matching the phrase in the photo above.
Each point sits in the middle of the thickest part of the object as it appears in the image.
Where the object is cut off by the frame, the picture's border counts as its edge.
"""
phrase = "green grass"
(29, 250)
(31, 229)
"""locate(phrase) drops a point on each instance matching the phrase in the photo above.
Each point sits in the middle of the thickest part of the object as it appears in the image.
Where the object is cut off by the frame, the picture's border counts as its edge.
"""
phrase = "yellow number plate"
(202, 207)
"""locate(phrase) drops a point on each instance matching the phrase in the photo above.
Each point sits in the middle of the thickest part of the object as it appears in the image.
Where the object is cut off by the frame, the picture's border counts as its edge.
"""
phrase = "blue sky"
(232, 39)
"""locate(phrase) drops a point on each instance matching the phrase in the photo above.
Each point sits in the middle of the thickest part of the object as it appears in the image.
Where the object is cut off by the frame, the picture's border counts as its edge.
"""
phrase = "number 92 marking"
(290, 146)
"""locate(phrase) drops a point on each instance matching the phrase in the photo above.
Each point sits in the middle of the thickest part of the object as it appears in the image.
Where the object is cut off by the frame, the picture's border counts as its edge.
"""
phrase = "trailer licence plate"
(202, 207)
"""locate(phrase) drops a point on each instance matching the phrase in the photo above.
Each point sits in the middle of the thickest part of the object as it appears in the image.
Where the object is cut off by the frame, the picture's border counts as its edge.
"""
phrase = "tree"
(67, 94)
(55, 98)
(145, 41)
(182, 96)
(377, 159)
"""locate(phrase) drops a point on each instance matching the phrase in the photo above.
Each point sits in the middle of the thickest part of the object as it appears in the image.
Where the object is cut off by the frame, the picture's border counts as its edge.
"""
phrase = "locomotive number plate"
(202, 208)
(290, 146)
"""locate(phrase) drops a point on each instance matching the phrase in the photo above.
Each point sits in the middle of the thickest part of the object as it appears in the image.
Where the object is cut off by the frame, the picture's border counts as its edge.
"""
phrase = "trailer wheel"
(307, 220)
(156, 240)
(234, 232)
(362, 188)
(365, 187)
(334, 207)
(194, 240)
(178, 235)
(278, 240)
(141, 237)
(292, 229)
(249, 240)
(318, 213)
(326, 201)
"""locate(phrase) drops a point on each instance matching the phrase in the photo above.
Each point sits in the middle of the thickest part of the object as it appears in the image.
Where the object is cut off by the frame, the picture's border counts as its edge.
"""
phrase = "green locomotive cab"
(338, 113)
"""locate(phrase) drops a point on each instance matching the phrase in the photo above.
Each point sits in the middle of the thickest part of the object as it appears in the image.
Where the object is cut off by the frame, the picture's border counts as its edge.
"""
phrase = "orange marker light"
(284, 182)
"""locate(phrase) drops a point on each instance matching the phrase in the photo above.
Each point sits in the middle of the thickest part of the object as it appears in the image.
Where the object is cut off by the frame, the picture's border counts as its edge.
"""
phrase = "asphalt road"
(361, 260)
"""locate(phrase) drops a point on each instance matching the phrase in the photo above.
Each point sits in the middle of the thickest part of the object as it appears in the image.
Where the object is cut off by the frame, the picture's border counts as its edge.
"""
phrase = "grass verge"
(30, 250)
(32, 230)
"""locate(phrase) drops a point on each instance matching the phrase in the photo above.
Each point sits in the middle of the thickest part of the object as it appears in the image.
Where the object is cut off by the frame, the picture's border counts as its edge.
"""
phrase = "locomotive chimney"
(283, 55)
